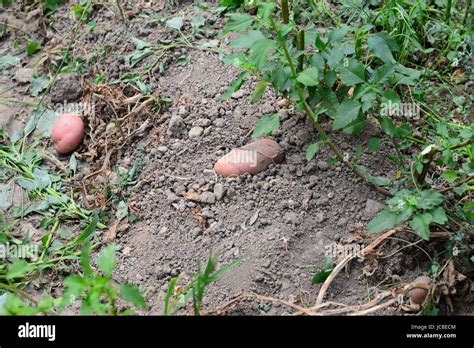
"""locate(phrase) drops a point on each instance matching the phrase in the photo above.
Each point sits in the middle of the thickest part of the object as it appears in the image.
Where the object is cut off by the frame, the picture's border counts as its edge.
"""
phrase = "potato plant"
(346, 74)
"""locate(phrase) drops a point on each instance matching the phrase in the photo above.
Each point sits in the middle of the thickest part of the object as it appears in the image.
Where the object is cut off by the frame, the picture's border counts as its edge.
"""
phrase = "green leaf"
(381, 74)
(312, 150)
(429, 199)
(198, 21)
(122, 211)
(91, 26)
(38, 84)
(175, 23)
(450, 175)
(387, 126)
(52, 4)
(247, 40)
(439, 215)
(131, 294)
(321, 276)
(260, 51)
(32, 48)
(106, 260)
(383, 221)
(347, 112)
(379, 46)
(73, 164)
(259, 90)
(309, 77)
(266, 125)
(74, 285)
(373, 144)
(420, 224)
(330, 78)
(238, 23)
(85, 260)
(335, 56)
(352, 74)
(18, 269)
(8, 61)
(46, 122)
(169, 294)
(88, 231)
(139, 44)
(235, 85)
(35, 117)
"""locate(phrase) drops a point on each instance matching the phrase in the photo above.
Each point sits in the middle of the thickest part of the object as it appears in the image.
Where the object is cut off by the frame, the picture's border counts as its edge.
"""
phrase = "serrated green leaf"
(347, 112)
(309, 77)
(420, 224)
(106, 260)
(373, 144)
(238, 23)
(131, 294)
(353, 74)
(259, 52)
(379, 46)
(429, 199)
(450, 175)
(383, 221)
(18, 269)
(247, 40)
(439, 215)
(387, 126)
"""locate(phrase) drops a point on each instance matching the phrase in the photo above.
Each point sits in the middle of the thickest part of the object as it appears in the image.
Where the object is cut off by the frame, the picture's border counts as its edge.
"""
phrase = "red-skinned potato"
(252, 158)
(418, 294)
(67, 133)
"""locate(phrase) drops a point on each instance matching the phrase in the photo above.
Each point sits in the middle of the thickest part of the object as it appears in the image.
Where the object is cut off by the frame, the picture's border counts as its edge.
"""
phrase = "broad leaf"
(106, 260)
(352, 74)
(381, 45)
(175, 23)
(383, 221)
(247, 40)
(260, 51)
(266, 125)
(131, 294)
(347, 112)
(309, 77)
(420, 224)
(238, 23)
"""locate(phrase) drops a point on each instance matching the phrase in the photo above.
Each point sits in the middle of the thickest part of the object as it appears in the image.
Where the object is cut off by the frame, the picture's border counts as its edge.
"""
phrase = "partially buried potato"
(251, 158)
(418, 294)
(67, 133)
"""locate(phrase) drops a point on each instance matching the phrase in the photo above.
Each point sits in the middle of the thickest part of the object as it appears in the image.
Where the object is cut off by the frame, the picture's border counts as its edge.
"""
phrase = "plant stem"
(447, 16)
(50, 236)
(285, 15)
(427, 159)
(300, 46)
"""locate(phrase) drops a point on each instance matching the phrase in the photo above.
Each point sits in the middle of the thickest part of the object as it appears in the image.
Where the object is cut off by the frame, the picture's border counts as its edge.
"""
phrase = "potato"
(67, 133)
(418, 295)
(252, 158)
